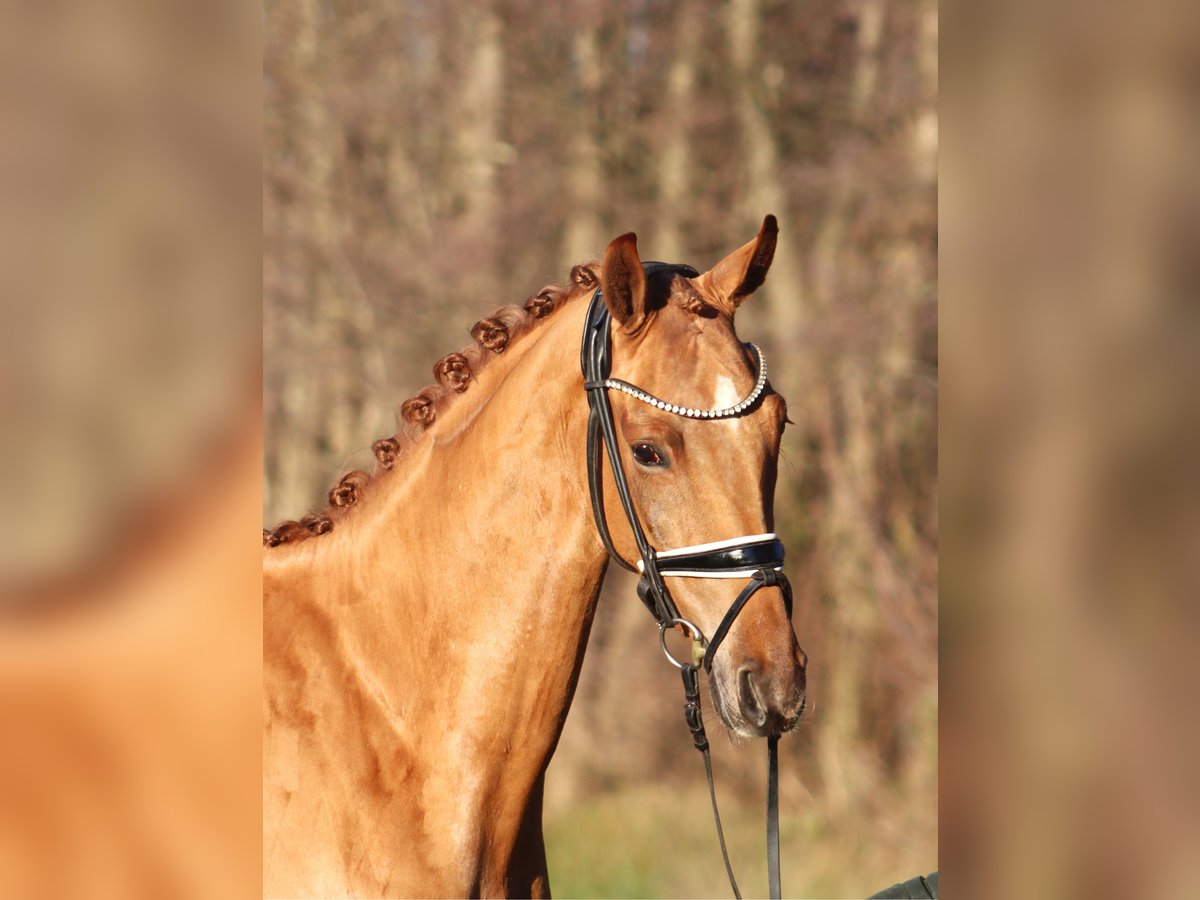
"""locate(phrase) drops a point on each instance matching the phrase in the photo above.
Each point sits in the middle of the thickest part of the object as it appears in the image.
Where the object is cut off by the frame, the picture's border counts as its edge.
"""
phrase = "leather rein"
(758, 558)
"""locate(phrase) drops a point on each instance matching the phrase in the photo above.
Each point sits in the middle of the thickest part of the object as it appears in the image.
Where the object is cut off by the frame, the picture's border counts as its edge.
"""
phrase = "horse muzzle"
(758, 691)
(765, 703)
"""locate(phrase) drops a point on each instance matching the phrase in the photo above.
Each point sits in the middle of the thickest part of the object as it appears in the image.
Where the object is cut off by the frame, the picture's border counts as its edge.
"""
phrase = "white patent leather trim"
(714, 545)
(721, 573)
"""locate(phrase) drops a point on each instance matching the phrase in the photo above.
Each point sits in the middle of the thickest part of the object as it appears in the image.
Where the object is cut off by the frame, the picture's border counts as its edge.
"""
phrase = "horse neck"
(473, 575)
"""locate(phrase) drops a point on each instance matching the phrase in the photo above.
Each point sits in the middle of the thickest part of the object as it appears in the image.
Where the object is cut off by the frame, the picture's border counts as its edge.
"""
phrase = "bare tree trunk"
(925, 134)
(862, 394)
(477, 135)
(583, 236)
(846, 459)
(674, 161)
(786, 297)
(307, 408)
(866, 70)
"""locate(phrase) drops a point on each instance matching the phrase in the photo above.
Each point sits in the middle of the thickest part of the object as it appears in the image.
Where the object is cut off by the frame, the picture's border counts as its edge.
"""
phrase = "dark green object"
(923, 887)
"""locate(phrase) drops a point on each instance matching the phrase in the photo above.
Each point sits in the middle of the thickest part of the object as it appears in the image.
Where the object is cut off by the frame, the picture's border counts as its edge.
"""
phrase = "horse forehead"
(722, 371)
(701, 347)
(726, 392)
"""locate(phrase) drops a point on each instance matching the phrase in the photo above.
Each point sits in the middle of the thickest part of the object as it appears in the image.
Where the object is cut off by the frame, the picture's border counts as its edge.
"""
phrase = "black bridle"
(758, 558)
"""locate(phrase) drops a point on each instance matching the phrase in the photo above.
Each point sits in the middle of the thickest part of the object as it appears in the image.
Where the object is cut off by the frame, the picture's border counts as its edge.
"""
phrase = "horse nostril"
(752, 707)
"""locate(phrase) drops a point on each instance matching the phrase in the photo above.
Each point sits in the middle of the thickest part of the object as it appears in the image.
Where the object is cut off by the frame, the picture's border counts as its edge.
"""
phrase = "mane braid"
(455, 373)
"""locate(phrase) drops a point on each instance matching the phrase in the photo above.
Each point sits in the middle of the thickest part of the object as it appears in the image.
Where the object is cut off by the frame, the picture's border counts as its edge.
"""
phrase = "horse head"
(702, 468)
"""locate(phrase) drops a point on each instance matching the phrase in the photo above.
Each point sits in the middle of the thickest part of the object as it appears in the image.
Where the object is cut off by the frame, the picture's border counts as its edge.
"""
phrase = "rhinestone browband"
(737, 409)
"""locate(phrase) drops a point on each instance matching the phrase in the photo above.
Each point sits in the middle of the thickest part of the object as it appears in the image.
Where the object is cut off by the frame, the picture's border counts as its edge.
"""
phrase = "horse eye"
(646, 455)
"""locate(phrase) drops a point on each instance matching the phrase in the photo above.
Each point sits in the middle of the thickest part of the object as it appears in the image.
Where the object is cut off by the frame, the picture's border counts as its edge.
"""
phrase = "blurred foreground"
(130, 763)
(130, 442)
(1070, 440)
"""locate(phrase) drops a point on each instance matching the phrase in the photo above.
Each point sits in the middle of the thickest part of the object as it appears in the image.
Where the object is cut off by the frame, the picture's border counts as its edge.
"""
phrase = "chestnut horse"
(423, 638)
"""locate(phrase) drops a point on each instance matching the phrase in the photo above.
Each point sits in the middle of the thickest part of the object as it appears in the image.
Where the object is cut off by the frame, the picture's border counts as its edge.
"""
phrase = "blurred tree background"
(425, 162)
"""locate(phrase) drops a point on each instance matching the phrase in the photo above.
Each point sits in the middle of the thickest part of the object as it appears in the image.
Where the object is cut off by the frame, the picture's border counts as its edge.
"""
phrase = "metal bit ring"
(697, 638)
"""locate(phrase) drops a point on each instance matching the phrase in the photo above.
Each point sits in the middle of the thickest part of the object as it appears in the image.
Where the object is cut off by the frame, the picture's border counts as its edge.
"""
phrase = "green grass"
(651, 841)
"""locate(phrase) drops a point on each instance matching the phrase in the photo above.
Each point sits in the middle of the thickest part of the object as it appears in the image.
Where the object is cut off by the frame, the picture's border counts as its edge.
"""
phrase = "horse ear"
(744, 270)
(623, 281)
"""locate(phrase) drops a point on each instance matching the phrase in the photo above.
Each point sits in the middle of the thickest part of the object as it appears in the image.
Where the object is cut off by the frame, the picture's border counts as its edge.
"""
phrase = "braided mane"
(454, 374)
